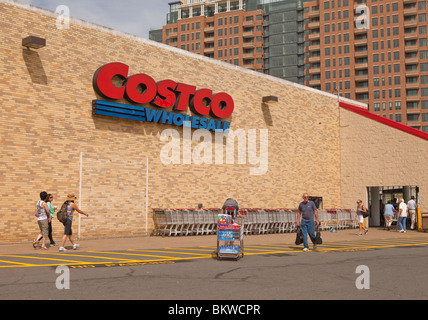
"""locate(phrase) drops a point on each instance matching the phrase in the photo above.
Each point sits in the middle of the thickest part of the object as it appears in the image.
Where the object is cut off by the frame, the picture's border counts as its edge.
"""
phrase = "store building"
(70, 123)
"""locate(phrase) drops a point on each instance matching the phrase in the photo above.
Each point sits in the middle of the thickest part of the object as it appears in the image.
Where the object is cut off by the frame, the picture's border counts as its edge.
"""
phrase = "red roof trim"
(388, 122)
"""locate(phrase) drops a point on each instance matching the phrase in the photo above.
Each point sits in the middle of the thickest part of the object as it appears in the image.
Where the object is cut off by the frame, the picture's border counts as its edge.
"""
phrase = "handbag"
(299, 236)
(366, 214)
(318, 238)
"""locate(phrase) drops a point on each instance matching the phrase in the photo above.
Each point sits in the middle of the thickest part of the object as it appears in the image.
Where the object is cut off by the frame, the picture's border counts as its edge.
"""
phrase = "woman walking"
(49, 200)
(68, 233)
(43, 219)
(360, 217)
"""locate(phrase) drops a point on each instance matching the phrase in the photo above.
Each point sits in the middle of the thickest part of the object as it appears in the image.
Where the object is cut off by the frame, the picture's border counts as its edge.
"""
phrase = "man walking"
(307, 212)
(402, 215)
(412, 206)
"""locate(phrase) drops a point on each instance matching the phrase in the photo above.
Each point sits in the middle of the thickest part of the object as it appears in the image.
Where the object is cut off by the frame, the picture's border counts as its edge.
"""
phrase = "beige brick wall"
(46, 122)
(374, 154)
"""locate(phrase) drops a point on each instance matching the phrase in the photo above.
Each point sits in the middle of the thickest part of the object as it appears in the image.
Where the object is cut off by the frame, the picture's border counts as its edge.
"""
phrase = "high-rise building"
(373, 51)
(223, 30)
(261, 35)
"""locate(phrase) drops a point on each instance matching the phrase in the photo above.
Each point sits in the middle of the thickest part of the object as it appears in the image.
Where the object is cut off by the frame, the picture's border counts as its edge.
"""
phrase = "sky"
(136, 17)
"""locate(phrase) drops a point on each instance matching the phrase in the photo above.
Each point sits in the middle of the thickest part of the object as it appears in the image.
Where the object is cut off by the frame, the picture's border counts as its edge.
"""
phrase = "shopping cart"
(230, 238)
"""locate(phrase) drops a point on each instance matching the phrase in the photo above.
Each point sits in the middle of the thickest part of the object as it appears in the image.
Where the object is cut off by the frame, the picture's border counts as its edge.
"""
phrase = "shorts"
(360, 218)
(67, 227)
(44, 227)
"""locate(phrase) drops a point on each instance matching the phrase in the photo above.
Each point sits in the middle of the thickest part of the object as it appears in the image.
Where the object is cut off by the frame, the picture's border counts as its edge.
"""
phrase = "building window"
(413, 117)
(398, 117)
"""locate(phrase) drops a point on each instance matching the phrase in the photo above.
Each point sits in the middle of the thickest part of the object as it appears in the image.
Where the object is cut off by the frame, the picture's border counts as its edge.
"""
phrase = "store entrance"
(379, 196)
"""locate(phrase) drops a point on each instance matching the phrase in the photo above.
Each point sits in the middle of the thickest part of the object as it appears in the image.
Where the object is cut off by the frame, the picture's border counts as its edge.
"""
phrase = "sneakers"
(75, 246)
(305, 249)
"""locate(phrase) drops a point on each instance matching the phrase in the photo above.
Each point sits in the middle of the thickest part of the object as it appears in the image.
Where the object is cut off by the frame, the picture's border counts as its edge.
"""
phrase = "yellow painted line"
(190, 253)
(133, 254)
(187, 249)
(39, 258)
(86, 256)
(256, 248)
(271, 252)
(269, 246)
(12, 262)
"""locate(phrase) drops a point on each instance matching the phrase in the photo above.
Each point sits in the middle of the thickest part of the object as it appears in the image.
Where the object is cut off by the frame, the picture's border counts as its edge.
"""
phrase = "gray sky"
(136, 17)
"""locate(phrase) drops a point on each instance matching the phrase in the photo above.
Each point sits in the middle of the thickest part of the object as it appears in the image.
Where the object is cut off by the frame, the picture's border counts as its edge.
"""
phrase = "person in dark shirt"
(307, 212)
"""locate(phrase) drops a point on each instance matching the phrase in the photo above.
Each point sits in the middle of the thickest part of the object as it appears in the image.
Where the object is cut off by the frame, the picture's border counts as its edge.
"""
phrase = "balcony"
(411, 48)
(209, 49)
(359, 31)
(411, 60)
(248, 34)
(410, 11)
(250, 23)
(314, 25)
(359, 66)
(361, 53)
(314, 48)
(411, 35)
(314, 71)
(413, 98)
(410, 23)
(314, 36)
(362, 89)
(248, 44)
(361, 77)
(209, 28)
(412, 85)
(314, 14)
(360, 42)
(314, 83)
(314, 59)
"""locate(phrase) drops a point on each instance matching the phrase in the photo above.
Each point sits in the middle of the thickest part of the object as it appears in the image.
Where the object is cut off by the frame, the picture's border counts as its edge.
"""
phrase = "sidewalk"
(149, 242)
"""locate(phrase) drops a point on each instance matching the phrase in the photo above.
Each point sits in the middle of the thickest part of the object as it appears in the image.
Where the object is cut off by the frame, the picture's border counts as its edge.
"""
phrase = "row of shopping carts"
(187, 222)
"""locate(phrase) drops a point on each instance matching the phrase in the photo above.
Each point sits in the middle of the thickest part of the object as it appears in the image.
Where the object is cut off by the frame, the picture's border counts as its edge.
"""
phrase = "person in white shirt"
(402, 215)
(412, 206)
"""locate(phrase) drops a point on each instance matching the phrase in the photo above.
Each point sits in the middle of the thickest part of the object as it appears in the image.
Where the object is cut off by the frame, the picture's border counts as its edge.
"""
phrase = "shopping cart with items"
(230, 236)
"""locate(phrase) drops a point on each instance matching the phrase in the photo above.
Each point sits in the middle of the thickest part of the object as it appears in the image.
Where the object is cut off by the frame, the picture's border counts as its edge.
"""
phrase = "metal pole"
(147, 192)
(80, 190)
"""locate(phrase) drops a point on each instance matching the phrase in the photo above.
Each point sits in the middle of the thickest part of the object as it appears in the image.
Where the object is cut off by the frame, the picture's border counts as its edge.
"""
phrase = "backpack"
(62, 213)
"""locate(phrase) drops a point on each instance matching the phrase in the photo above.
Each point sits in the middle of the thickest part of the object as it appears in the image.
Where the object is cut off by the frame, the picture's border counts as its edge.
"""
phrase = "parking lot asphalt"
(157, 242)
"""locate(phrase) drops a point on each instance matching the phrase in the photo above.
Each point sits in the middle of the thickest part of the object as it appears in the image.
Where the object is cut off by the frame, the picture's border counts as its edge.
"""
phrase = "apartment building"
(261, 35)
(373, 51)
(223, 30)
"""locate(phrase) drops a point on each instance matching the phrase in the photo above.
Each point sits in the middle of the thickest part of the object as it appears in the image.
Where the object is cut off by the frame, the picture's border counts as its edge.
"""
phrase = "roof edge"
(385, 121)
